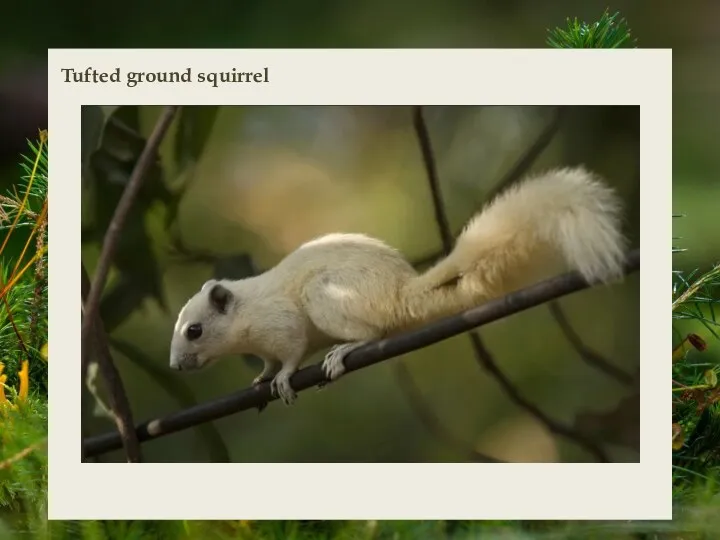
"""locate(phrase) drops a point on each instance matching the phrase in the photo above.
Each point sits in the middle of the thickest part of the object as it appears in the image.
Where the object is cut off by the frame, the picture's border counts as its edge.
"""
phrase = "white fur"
(348, 289)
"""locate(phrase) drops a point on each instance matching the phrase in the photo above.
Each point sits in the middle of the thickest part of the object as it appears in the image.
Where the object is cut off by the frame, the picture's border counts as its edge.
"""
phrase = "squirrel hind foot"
(334, 364)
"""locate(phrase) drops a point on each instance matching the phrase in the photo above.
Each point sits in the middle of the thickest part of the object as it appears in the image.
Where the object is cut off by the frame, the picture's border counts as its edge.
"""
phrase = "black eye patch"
(193, 331)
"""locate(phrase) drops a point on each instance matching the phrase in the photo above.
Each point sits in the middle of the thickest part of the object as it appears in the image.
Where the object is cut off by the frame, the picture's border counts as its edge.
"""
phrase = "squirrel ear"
(208, 283)
(220, 297)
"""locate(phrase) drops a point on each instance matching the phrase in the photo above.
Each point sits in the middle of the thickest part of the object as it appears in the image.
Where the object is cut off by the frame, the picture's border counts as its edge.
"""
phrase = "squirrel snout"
(184, 362)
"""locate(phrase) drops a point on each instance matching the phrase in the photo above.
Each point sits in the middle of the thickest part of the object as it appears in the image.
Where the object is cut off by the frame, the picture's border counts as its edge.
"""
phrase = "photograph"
(299, 283)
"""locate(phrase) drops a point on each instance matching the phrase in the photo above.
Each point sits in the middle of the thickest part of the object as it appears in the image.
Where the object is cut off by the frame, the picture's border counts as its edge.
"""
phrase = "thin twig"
(513, 175)
(120, 410)
(21, 454)
(183, 395)
(85, 292)
(19, 337)
(360, 358)
(486, 361)
(110, 242)
(12, 203)
(431, 422)
(432, 175)
(523, 164)
(593, 358)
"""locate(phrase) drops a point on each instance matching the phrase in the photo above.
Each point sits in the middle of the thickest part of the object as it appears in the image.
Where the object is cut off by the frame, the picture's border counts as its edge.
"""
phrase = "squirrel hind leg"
(344, 313)
(342, 310)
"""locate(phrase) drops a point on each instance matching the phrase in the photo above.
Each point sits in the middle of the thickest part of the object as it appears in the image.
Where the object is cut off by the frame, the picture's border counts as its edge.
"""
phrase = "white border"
(367, 491)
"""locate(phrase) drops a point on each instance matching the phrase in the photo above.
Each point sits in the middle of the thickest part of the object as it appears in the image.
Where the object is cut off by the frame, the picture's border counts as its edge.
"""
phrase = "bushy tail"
(565, 215)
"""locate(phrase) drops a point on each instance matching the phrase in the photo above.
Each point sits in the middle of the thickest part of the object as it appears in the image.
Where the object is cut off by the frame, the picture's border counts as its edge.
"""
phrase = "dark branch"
(531, 154)
(98, 348)
(518, 170)
(586, 353)
(431, 170)
(431, 422)
(180, 392)
(91, 319)
(368, 355)
(488, 363)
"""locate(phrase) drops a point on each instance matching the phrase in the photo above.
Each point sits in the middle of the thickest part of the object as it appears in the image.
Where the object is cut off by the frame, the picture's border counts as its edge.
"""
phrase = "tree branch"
(177, 389)
(432, 175)
(362, 357)
(523, 164)
(586, 353)
(91, 318)
(488, 363)
(120, 411)
(431, 422)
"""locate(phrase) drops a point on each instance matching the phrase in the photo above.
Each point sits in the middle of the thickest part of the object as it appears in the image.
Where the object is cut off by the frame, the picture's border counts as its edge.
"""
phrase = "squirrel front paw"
(262, 378)
(280, 387)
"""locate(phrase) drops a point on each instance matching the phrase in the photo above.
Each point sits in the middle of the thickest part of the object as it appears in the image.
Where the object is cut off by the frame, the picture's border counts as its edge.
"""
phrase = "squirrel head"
(202, 327)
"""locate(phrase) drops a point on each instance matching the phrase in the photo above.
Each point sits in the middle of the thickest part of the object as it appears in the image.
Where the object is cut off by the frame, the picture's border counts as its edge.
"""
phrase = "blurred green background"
(259, 181)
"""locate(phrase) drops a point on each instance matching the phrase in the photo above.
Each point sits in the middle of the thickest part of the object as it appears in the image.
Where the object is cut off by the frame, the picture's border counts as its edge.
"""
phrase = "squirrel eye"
(193, 331)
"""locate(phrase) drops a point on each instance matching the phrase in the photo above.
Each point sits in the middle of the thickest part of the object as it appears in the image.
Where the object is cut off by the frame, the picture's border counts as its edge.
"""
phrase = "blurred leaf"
(194, 127)
(108, 110)
(111, 165)
(92, 121)
(97, 389)
(120, 300)
(195, 124)
(180, 392)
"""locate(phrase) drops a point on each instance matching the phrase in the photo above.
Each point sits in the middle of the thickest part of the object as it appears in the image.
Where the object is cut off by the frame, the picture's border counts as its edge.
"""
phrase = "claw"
(333, 366)
(280, 387)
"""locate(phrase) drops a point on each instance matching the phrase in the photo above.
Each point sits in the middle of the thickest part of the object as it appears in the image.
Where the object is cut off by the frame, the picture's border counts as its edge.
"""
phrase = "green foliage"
(23, 310)
(23, 333)
(696, 394)
(23, 466)
(110, 160)
(607, 33)
(700, 526)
